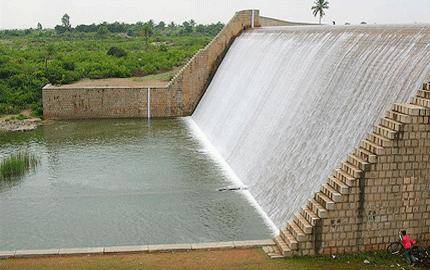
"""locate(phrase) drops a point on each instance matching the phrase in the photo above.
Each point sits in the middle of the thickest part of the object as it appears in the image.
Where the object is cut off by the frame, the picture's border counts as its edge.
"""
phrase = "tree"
(103, 30)
(65, 21)
(151, 23)
(39, 26)
(48, 56)
(147, 32)
(319, 8)
(161, 25)
(187, 27)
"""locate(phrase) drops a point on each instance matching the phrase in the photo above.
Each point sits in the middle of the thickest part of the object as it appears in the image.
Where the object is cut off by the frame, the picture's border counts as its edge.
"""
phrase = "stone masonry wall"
(179, 98)
(382, 187)
(82, 103)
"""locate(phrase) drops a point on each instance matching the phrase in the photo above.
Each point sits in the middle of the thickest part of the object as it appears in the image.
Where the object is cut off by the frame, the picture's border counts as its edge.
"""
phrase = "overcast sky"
(26, 13)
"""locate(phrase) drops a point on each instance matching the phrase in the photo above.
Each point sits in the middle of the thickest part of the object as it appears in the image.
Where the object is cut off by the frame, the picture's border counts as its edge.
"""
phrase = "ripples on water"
(119, 182)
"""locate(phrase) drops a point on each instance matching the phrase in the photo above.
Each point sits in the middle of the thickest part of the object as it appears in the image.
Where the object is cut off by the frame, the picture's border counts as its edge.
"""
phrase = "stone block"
(5, 254)
(253, 243)
(80, 251)
(169, 247)
(126, 249)
(36, 253)
(214, 245)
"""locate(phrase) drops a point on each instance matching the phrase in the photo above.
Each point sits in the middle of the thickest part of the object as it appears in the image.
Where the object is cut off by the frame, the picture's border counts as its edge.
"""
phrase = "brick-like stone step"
(424, 94)
(345, 177)
(379, 140)
(358, 162)
(284, 249)
(392, 124)
(386, 132)
(310, 216)
(399, 117)
(411, 109)
(330, 192)
(317, 208)
(338, 185)
(273, 252)
(365, 155)
(295, 230)
(351, 170)
(303, 224)
(372, 147)
(324, 201)
(424, 102)
(289, 239)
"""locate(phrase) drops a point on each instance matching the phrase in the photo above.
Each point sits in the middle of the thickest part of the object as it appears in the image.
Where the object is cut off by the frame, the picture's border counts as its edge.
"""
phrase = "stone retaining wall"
(382, 187)
(179, 98)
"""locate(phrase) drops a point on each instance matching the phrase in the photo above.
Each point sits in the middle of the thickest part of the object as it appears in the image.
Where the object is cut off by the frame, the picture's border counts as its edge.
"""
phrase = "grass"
(17, 165)
(166, 76)
(236, 259)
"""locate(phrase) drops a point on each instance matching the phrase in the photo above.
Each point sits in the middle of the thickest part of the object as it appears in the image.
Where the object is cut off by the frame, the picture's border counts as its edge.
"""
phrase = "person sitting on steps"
(408, 244)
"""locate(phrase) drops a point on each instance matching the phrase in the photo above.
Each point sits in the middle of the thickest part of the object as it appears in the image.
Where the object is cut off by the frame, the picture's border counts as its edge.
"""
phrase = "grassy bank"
(17, 165)
(253, 259)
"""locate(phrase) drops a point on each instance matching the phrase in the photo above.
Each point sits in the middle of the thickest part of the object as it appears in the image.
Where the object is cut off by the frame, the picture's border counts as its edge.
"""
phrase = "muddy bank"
(19, 125)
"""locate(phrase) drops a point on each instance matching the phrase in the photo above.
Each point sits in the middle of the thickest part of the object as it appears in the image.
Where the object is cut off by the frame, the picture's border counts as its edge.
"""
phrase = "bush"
(117, 52)
(69, 66)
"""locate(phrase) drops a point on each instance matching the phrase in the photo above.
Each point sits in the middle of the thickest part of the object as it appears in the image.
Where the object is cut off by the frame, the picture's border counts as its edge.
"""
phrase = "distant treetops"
(319, 7)
(144, 29)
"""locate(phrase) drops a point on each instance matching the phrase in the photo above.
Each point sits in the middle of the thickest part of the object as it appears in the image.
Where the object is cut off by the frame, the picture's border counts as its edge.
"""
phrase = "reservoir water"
(119, 182)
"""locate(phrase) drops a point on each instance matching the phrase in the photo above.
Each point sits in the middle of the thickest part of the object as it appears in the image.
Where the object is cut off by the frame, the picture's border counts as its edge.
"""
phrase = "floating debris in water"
(233, 189)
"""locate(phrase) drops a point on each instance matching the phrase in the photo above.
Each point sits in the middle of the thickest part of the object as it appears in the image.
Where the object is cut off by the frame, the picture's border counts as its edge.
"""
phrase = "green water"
(119, 182)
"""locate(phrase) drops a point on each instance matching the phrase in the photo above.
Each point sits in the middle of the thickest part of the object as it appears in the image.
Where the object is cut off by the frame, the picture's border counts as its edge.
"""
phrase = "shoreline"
(13, 124)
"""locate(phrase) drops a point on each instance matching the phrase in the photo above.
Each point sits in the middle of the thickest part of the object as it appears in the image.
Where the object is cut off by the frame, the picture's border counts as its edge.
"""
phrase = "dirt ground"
(251, 259)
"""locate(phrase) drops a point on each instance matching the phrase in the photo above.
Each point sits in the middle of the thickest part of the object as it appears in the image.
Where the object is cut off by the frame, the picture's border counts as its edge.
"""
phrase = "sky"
(27, 13)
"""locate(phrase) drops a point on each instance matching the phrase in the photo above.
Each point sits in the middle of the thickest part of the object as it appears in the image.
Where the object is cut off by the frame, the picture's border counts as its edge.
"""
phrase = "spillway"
(287, 104)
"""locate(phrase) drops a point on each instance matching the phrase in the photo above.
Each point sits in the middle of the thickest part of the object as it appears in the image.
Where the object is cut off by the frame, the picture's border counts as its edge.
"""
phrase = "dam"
(327, 127)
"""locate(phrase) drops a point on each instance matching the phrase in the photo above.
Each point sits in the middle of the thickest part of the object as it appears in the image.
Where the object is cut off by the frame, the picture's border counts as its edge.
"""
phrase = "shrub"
(117, 52)
(69, 66)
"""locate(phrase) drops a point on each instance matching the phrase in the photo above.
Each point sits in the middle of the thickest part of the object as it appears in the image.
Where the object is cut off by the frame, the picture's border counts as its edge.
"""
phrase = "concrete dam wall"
(298, 114)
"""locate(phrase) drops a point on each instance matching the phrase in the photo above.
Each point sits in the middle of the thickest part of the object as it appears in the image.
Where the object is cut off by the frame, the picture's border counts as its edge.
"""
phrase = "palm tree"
(319, 7)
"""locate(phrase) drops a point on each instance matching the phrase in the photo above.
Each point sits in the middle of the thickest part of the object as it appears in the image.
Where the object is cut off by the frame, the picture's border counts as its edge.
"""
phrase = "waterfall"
(288, 104)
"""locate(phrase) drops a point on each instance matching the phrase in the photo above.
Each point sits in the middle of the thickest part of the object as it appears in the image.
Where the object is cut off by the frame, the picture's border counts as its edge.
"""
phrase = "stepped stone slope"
(382, 187)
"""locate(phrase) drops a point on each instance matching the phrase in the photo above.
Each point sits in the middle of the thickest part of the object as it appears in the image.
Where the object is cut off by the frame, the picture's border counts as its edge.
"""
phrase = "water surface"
(119, 182)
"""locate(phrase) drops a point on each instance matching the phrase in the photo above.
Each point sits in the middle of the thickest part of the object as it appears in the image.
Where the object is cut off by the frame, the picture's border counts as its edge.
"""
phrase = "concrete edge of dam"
(246, 244)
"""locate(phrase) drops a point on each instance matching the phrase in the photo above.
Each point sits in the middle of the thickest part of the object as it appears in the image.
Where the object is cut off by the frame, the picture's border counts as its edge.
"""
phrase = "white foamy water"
(287, 105)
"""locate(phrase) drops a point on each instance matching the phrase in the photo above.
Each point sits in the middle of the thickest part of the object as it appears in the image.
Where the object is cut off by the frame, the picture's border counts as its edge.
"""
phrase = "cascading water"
(288, 104)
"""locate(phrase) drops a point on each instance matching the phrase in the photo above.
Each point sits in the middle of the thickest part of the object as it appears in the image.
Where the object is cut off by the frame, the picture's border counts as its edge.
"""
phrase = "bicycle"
(422, 255)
